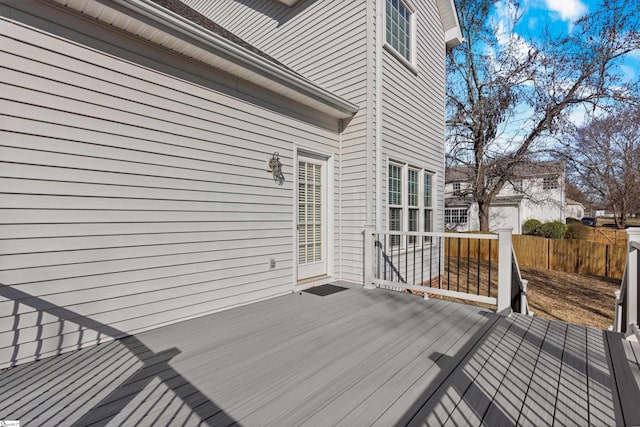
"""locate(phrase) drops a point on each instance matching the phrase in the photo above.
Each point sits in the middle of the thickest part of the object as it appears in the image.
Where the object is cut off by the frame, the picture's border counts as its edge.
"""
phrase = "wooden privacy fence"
(571, 256)
(608, 236)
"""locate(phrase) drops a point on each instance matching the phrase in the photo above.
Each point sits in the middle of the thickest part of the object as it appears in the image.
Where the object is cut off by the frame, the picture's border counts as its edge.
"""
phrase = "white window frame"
(404, 207)
(410, 62)
(457, 186)
(551, 182)
(449, 216)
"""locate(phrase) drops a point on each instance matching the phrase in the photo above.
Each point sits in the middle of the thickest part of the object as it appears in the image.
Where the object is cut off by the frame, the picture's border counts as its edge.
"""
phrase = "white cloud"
(628, 73)
(569, 10)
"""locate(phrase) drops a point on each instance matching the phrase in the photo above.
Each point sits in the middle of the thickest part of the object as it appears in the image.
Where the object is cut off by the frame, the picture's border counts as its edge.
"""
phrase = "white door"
(504, 216)
(312, 215)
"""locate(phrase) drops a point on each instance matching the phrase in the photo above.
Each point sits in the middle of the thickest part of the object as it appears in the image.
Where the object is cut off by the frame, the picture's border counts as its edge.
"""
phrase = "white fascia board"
(212, 49)
(449, 16)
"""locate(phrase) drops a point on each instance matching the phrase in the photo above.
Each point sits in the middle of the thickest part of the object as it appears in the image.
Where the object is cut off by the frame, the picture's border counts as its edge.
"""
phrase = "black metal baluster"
(468, 261)
(385, 256)
(431, 262)
(440, 262)
(414, 259)
(458, 272)
(448, 248)
(406, 259)
(422, 263)
(489, 286)
(479, 266)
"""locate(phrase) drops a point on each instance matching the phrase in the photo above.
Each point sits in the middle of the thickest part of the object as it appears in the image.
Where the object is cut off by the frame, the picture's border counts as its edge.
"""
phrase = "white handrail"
(417, 247)
(439, 234)
(626, 313)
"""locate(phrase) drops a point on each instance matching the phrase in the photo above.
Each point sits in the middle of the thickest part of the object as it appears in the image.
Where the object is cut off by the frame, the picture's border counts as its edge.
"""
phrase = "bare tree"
(509, 99)
(606, 156)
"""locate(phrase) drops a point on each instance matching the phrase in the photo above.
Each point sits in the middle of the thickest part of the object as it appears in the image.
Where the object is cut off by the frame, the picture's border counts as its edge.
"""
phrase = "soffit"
(450, 23)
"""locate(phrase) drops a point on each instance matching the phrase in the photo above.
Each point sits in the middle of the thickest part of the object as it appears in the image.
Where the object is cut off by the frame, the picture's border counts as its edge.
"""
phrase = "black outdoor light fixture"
(275, 167)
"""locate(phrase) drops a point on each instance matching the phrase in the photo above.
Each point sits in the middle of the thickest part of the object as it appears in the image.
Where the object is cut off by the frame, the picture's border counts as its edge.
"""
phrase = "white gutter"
(213, 49)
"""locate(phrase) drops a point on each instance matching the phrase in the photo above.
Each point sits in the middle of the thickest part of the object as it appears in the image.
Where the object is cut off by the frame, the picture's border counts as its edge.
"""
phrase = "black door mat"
(325, 290)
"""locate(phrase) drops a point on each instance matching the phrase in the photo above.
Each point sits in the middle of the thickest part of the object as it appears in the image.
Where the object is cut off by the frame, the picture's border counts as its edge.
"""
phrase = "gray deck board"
(539, 404)
(631, 356)
(507, 403)
(390, 361)
(479, 396)
(426, 384)
(571, 402)
(353, 358)
(601, 408)
(626, 386)
(438, 406)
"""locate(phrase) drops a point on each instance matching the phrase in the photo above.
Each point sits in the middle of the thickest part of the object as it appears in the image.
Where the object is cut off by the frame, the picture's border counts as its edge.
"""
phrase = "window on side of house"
(399, 24)
(410, 202)
(517, 185)
(456, 216)
(427, 192)
(550, 182)
(456, 186)
(395, 202)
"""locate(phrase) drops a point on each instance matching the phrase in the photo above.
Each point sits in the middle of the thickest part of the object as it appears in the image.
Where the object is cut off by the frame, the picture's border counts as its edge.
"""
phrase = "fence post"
(504, 271)
(631, 298)
(368, 256)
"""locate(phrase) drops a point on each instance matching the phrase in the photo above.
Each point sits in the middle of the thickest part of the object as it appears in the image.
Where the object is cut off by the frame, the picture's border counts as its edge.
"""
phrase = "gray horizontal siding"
(413, 105)
(133, 193)
(326, 41)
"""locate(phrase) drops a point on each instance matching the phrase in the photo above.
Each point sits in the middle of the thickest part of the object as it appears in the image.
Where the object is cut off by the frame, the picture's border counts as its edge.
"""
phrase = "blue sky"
(558, 16)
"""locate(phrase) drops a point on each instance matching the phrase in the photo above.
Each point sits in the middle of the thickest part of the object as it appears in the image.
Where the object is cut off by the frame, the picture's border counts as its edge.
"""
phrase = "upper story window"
(517, 185)
(399, 28)
(550, 183)
(456, 186)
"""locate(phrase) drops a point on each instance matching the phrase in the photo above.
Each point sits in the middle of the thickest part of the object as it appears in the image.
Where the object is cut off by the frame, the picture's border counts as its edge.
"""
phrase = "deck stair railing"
(627, 298)
(474, 267)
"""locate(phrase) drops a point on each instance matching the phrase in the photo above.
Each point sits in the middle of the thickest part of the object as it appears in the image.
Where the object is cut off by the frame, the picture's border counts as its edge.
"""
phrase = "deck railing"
(627, 298)
(475, 267)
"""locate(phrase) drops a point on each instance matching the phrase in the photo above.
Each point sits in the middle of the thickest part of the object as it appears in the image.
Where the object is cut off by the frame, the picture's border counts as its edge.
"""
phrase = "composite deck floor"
(354, 358)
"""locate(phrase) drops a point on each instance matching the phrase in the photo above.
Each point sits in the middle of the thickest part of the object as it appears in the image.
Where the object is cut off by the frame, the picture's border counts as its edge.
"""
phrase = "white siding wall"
(544, 204)
(413, 105)
(134, 193)
(325, 41)
(413, 109)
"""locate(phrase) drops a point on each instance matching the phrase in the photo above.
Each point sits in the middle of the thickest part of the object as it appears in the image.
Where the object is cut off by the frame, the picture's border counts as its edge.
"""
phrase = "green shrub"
(531, 226)
(576, 231)
(573, 221)
(552, 230)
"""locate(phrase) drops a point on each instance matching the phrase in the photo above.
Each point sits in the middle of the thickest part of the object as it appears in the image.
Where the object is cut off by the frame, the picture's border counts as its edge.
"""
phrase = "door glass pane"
(309, 212)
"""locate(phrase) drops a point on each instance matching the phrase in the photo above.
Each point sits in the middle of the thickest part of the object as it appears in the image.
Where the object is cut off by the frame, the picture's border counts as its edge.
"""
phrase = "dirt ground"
(573, 298)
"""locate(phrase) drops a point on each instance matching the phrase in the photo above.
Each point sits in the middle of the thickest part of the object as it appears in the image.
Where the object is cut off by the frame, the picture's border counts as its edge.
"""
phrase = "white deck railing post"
(368, 256)
(631, 297)
(504, 271)
(524, 303)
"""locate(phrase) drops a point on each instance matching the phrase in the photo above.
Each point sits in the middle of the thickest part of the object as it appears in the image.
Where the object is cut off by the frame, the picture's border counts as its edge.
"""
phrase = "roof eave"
(212, 49)
(450, 23)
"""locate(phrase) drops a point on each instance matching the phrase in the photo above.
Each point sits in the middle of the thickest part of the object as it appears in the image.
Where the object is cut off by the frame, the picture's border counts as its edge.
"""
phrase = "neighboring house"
(537, 191)
(574, 209)
(141, 142)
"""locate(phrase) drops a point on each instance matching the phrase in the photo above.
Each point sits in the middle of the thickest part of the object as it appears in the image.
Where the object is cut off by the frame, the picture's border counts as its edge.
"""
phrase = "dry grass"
(568, 297)
(574, 298)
